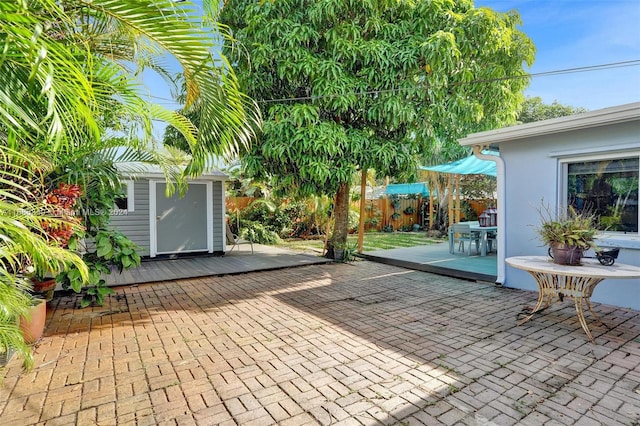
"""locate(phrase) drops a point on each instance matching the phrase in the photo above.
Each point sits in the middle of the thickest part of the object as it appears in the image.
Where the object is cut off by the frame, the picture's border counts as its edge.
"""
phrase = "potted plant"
(568, 234)
(373, 221)
(395, 203)
(32, 324)
(409, 210)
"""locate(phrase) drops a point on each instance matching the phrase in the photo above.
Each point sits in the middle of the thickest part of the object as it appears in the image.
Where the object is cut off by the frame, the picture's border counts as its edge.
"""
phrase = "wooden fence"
(378, 212)
(400, 213)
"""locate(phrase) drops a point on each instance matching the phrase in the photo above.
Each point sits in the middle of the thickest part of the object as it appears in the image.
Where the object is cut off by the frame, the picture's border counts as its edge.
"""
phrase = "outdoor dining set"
(481, 233)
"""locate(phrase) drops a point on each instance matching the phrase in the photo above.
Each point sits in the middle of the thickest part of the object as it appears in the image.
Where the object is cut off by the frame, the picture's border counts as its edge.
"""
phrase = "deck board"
(436, 258)
(236, 262)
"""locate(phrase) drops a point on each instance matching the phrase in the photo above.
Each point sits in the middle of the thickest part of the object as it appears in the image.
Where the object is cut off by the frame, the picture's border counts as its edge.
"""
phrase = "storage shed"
(161, 225)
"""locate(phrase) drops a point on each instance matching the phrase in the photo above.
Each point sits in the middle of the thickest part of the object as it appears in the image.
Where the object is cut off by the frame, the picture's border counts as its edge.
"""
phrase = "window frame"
(129, 185)
(563, 189)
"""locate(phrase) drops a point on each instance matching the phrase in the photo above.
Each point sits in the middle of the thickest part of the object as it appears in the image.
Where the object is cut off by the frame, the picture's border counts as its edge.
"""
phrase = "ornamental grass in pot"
(568, 234)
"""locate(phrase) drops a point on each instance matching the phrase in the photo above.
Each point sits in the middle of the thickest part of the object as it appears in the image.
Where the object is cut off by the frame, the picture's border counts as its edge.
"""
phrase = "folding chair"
(461, 234)
(233, 240)
(492, 241)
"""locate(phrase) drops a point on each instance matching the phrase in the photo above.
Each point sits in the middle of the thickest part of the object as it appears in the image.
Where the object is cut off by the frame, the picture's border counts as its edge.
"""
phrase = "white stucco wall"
(533, 173)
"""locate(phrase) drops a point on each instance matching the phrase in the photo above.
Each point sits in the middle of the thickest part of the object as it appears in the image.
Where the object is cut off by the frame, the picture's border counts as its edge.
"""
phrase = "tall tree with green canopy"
(534, 109)
(346, 85)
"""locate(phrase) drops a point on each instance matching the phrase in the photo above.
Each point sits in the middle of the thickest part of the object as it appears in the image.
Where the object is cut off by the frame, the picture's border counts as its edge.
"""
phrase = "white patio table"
(577, 282)
(484, 236)
(481, 231)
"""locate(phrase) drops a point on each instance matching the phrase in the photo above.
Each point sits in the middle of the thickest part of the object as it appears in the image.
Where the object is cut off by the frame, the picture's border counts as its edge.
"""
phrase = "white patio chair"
(234, 240)
(461, 234)
(492, 242)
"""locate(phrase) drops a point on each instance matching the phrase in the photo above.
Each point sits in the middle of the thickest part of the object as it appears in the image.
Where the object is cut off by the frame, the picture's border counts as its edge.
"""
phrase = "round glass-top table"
(577, 282)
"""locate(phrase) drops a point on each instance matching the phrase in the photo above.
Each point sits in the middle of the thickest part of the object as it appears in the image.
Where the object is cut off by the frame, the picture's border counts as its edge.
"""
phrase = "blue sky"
(577, 33)
(567, 34)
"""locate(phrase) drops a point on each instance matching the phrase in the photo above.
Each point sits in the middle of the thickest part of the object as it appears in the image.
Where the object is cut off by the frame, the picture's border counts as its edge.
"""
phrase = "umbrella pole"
(430, 209)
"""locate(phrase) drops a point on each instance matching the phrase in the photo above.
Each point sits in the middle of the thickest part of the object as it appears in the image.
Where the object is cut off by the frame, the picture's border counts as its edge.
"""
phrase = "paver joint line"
(324, 344)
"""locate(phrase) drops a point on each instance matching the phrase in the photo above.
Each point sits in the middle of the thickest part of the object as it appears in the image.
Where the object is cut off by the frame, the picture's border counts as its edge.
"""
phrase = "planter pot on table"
(563, 254)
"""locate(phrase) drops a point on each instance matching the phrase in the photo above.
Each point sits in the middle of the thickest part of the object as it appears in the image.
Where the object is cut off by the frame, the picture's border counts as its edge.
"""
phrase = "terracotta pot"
(563, 254)
(33, 327)
(44, 288)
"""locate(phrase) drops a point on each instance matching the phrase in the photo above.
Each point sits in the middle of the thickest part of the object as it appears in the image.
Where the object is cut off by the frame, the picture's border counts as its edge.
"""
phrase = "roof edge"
(137, 169)
(600, 117)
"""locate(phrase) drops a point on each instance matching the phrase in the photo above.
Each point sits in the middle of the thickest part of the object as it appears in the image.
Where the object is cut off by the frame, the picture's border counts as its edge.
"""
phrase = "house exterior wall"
(533, 172)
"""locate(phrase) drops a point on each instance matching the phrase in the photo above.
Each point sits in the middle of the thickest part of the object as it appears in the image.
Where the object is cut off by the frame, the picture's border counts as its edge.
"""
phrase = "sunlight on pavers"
(360, 343)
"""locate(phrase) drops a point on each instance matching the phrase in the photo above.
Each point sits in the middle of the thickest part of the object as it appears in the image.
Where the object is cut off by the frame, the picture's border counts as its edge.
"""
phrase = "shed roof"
(140, 169)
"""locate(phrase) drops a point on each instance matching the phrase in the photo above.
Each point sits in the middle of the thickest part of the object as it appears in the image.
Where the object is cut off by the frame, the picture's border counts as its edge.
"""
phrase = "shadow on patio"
(362, 343)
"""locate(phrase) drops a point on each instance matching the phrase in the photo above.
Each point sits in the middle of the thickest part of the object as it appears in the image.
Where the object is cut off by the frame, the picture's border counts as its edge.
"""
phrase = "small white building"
(583, 157)
(161, 225)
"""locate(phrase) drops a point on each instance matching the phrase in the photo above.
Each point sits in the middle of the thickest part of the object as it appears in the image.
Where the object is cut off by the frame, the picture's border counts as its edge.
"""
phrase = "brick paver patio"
(354, 344)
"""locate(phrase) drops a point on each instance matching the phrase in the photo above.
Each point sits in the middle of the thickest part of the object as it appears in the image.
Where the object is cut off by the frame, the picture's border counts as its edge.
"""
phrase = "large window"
(609, 189)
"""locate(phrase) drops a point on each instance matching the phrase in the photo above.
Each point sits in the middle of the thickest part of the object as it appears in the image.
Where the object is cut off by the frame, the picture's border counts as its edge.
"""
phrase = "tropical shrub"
(271, 216)
(300, 220)
(387, 228)
(353, 220)
(258, 233)
(112, 249)
(26, 246)
(104, 249)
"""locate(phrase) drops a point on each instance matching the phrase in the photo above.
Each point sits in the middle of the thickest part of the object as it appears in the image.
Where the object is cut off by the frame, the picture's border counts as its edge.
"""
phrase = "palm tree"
(70, 69)
(69, 76)
(24, 248)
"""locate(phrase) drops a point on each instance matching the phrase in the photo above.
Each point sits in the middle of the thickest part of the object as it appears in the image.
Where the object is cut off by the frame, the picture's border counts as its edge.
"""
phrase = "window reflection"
(609, 189)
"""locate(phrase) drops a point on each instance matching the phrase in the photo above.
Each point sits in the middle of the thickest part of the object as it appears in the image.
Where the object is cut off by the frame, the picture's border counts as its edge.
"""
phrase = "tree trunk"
(341, 223)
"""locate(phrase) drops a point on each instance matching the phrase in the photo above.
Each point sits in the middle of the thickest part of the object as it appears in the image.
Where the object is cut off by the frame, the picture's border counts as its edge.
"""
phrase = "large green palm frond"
(65, 70)
(14, 302)
(164, 26)
(24, 247)
(45, 89)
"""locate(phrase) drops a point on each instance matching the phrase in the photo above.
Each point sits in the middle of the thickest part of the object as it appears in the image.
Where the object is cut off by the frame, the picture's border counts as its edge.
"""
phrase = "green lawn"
(372, 241)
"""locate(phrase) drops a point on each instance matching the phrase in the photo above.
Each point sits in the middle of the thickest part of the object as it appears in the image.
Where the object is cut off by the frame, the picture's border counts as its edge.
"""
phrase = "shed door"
(181, 223)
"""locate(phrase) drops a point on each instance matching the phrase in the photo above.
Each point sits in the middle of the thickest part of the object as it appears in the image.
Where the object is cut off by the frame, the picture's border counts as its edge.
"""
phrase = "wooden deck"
(436, 258)
(236, 262)
(433, 258)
